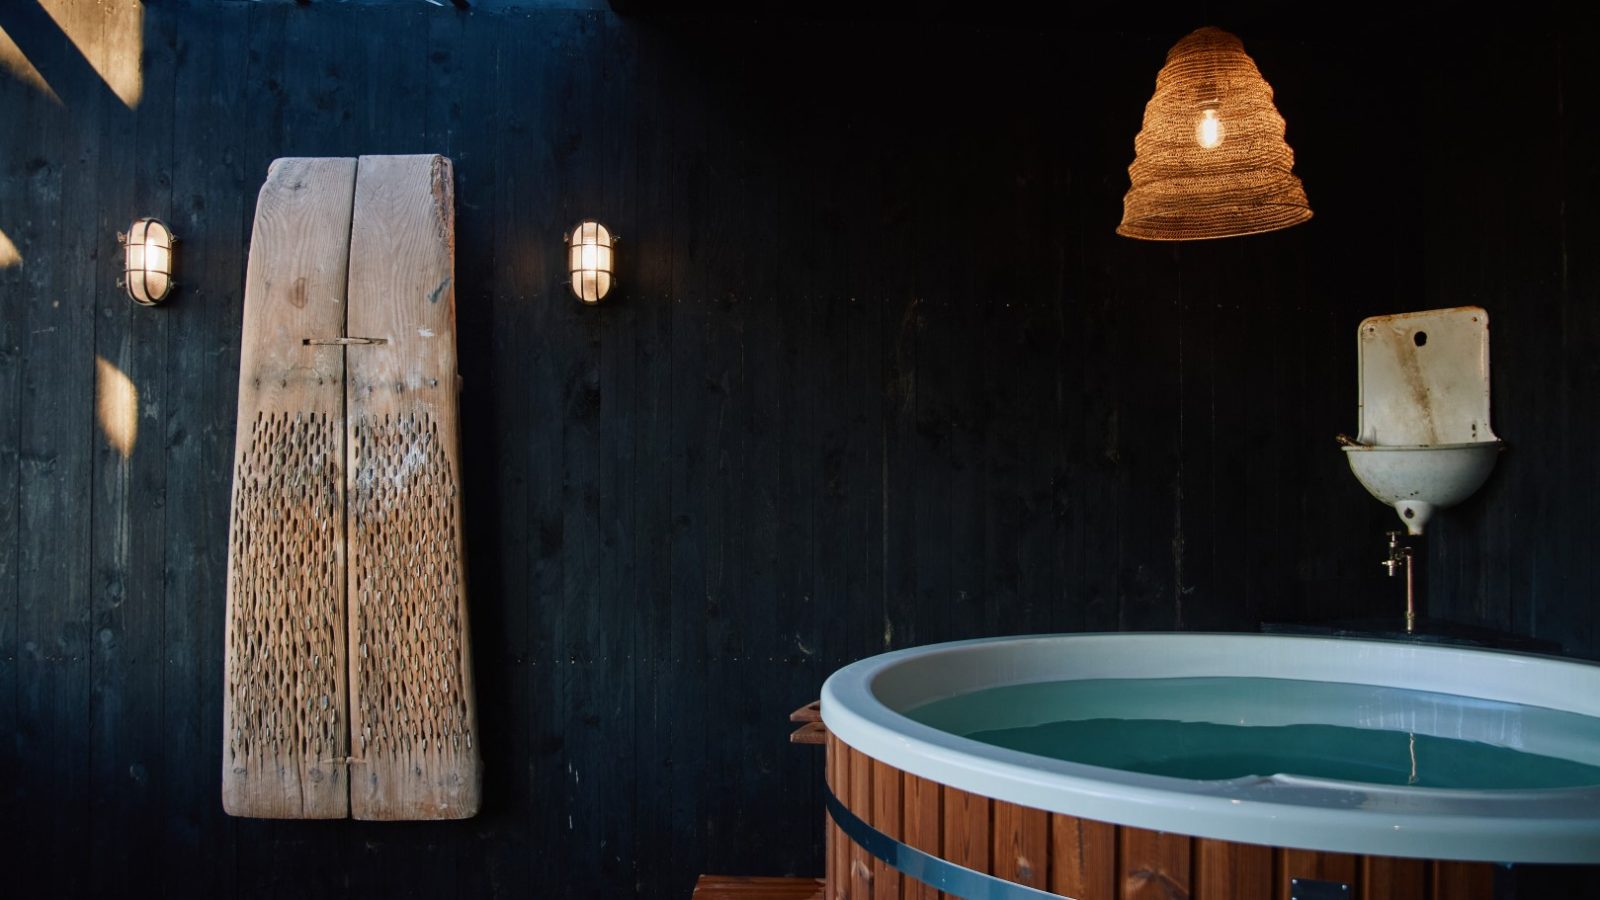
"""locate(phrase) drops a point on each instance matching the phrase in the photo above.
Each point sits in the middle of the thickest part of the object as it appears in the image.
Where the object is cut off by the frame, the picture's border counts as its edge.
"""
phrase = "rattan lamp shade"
(1211, 160)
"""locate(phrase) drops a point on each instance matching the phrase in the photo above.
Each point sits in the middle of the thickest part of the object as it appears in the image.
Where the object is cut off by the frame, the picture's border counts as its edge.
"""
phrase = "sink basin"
(1417, 479)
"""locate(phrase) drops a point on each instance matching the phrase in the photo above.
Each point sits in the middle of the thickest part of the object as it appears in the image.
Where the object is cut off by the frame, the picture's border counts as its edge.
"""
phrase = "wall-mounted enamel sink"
(1417, 479)
(1425, 441)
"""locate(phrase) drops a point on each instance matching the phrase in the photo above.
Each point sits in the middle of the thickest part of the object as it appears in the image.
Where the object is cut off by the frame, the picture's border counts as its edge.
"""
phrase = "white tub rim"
(1542, 826)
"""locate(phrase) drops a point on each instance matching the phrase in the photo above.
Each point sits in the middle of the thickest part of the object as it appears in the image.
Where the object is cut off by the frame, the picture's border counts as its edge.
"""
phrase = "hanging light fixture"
(590, 259)
(1211, 160)
(147, 261)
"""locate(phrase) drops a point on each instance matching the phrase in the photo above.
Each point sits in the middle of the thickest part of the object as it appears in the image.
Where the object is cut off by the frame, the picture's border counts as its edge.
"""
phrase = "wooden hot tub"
(923, 797)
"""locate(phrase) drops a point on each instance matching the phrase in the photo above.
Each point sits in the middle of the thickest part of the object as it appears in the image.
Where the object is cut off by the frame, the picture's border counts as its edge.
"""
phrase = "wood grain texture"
(413, 715)
(1021, 844)
(923, 821)
(285, 725)
(1389, 878)
(967, 827)
(860, 803)
(849, 324)
(1083, 858)
(1462, 881)
(1225, 869)
(747, 887)
(887, 812)
(1153, 865)
(1292, 864)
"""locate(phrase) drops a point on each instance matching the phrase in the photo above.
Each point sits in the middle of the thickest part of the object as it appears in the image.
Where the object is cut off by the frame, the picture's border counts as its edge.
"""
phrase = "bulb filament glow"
(1209, 131)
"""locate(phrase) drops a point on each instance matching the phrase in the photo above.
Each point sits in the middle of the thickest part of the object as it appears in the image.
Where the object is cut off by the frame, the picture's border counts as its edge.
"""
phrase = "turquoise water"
(1223, 728)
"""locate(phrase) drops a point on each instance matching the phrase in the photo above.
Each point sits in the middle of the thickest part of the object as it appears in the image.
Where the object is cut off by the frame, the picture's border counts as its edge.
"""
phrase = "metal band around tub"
(925, 867)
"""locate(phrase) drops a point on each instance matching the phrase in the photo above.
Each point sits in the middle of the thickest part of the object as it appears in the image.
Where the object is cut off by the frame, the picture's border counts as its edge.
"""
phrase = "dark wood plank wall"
(878, 373)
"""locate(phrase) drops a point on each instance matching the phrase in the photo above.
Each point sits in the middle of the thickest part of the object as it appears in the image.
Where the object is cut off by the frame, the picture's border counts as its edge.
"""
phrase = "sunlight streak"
(8, 252)
(13, 61)
(110, 35)
(116, 406)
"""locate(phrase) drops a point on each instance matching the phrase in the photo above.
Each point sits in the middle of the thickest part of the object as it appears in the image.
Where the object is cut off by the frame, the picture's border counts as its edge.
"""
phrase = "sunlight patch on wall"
(8, 252)
(13, 61)
(116, 403)
(110, 35)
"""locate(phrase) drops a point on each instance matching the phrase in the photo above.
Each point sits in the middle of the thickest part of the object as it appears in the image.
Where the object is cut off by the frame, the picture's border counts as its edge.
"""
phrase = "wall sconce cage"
(147, 261)
(591, 260)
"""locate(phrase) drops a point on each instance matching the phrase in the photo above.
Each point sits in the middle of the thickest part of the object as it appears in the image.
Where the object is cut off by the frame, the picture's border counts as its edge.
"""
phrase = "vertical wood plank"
(1083, 858)
(924, 826)
(1153, 865)
(50, 212)
(967, 826)
(210, 214)
(132, 368)
(887, 811)
(861, 868)
(831, 830)
(839, 883)
(1390, 878)
(1292, 864)
(1021, 849)
(1462, 880)
(1224, 870)
(286, 731)
(413, 709)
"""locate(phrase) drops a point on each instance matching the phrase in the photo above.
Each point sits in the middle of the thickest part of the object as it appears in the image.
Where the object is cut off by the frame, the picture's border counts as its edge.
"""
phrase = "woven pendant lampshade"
(1211, 160)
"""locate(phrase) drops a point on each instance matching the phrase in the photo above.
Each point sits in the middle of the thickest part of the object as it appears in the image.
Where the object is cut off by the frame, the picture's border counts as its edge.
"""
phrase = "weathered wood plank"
(211, 217)
(130, 761)
(285, 727)
(413, 712)
(49, 213)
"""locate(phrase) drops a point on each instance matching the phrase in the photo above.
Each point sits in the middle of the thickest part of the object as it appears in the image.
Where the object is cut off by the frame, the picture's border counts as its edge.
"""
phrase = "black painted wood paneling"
(878, 373)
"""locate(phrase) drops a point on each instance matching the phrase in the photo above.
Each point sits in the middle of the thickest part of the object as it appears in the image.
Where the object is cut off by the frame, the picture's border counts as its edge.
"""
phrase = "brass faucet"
(1400, 558)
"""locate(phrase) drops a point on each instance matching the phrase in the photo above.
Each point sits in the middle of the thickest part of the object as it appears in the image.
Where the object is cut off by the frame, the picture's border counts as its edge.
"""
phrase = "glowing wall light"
(147, 261)
(591, 260)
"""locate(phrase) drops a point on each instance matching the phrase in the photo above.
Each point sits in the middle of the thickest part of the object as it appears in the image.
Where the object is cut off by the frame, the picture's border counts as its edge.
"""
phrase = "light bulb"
(1209, 131)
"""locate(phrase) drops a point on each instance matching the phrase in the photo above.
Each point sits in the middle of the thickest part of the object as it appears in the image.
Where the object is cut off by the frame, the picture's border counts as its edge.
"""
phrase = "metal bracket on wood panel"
(1312, 889)
(942, 874)
(342, 341)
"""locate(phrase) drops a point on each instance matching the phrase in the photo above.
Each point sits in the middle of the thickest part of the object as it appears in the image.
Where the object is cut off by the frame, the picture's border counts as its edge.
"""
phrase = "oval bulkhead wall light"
(591, 260)
(147, 261)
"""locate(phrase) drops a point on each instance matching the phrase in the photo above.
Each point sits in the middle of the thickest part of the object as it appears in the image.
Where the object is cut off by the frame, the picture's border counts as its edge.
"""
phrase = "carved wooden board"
(412, 713)
(348, 666)
(285, 730)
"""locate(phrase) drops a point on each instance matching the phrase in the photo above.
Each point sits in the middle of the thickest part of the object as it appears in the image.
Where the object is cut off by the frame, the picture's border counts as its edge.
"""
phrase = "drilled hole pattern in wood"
(406, 591)
(284, 688)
